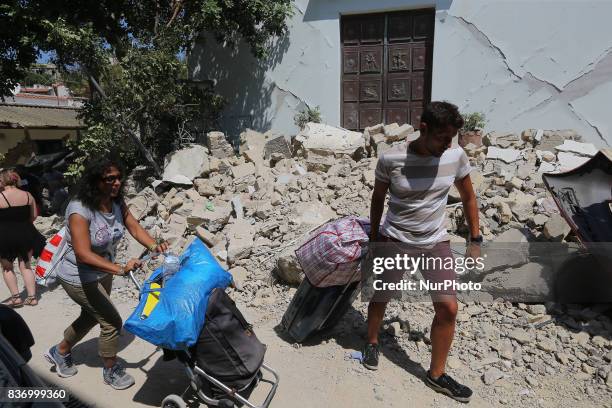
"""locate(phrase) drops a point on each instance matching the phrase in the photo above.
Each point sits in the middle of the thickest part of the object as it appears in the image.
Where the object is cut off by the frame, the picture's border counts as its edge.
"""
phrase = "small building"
(35, 129)
(524, 64)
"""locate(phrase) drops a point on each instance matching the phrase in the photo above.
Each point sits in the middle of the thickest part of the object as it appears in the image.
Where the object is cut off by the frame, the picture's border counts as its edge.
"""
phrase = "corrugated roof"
(20, 116)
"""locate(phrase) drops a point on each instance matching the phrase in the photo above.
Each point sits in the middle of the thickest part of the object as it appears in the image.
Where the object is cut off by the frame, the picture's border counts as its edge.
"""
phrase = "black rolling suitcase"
(314, 310)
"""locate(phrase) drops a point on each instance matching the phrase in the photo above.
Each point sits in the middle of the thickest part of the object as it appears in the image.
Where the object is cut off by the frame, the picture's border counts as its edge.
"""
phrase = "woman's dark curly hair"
(87, 189)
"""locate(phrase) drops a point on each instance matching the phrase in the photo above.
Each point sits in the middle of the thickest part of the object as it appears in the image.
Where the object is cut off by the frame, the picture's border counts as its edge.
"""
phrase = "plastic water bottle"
(171, 265)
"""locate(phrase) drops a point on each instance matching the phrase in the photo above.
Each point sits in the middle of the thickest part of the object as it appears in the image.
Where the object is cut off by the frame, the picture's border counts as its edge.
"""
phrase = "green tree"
(133, 50)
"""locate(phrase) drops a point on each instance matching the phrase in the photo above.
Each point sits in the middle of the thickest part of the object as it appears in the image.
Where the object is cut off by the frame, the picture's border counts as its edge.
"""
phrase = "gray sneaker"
(63, 363)
(117, 378)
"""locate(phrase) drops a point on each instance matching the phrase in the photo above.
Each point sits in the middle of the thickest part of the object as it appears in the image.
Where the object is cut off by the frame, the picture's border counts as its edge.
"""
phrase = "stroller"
(225, 365)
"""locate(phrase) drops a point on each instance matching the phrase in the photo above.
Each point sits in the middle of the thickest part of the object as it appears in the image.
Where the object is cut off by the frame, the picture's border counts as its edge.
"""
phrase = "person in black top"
(18, 237)
(31, 184)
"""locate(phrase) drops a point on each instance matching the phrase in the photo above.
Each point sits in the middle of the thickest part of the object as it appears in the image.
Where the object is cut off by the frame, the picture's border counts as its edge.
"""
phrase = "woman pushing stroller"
(96, 220)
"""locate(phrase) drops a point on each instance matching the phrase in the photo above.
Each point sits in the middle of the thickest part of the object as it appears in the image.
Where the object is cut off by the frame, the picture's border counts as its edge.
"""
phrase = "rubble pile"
(254, 207)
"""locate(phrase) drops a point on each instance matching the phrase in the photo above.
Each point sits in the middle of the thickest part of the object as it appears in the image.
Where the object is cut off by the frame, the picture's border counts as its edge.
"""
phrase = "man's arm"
(377, 207)
(470, 205)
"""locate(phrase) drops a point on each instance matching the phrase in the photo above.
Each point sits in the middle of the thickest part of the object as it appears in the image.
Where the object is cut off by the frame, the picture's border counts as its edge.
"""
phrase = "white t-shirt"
(418, 192)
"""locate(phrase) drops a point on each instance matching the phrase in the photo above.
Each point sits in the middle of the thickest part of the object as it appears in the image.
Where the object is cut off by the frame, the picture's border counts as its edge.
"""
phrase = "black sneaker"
(446, 385)
(370, 356)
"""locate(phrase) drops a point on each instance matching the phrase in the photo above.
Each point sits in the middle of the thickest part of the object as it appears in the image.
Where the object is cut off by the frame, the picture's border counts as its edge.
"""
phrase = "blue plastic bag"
(179, 316)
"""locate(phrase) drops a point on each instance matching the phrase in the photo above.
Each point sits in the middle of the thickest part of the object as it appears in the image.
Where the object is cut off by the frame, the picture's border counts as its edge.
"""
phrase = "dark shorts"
(437, 272)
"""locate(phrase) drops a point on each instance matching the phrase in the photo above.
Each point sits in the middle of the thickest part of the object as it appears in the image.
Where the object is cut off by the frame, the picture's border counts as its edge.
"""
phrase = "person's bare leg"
(8, 274)
(376, 313)
(28, 279)
(64, 347)
(109, 361)
(442, 333)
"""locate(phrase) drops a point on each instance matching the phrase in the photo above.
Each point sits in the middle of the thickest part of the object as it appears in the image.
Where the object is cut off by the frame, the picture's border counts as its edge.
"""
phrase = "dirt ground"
(312, 375)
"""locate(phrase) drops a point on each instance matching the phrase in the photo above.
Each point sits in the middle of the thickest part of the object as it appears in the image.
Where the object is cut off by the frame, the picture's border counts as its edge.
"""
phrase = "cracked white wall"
(525, 64)
(528, 64)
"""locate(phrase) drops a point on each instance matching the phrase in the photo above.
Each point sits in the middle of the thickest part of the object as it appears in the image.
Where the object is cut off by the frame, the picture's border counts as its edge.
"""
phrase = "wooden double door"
(386, 67)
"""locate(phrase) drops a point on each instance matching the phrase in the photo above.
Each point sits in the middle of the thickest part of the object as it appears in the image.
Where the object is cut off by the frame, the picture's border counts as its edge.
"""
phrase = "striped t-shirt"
(418, 192)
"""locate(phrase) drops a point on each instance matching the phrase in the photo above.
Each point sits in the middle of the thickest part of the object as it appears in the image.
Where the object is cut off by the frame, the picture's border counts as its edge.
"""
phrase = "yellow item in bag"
(152, 299)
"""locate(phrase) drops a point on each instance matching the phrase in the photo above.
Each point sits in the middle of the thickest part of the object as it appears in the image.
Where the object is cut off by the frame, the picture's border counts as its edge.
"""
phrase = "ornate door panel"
(386, 67)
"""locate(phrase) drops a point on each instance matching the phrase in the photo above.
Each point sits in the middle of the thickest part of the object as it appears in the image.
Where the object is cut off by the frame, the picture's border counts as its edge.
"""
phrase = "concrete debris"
(279, 145)
(584, 149)
(182, 166)
(556, 228)
(327, 140)
(569, 161)
(218, 145)
(506, 155)
(142, 205)
(253, 210)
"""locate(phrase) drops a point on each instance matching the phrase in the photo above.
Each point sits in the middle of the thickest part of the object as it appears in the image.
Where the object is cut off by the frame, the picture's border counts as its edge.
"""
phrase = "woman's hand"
(132, 264)
(161, 247)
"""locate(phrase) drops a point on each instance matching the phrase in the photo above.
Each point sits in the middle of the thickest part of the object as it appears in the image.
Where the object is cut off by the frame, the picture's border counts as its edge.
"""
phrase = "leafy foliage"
(307, 115)
(473, 121)
(134, 50)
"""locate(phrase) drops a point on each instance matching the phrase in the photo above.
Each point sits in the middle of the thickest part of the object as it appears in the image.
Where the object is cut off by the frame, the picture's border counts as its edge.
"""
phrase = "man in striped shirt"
(418, 177)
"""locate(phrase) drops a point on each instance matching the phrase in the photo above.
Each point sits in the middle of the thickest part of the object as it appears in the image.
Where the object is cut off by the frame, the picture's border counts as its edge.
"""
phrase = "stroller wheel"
(173, 401)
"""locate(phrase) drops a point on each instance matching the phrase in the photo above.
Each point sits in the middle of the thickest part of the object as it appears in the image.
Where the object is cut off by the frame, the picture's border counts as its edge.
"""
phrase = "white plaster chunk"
(546, 167)
(585, 149)
(569, 161)
(505, 155)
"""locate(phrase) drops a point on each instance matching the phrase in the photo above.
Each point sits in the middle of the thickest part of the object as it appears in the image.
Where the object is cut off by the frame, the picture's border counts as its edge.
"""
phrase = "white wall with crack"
(528, 64)
(525, 64)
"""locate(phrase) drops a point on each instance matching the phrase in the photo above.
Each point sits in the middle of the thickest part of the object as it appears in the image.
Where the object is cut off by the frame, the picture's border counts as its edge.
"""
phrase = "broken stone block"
(142, 205)
(504, 212)
(396, 133)
(240, 276)
(506, 155)
(279, 146)
(206, 236)
(514, 183)
(316, 162)
(501, 139)
(288, 268)
(238, 208)
(374, 129)
(312, 214)
(328, 140)
(549, 140)
(243, 170)
(539, 220)
(556, 228)
(175, 228)
(218, 145)
(521, 205)
(239, 240)
(182, 166)
(213, 220)
(205, 187)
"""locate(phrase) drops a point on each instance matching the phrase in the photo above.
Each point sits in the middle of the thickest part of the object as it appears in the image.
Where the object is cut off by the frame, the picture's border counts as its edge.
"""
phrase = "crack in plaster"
(287, 92)
(529, 78)
(585, 120)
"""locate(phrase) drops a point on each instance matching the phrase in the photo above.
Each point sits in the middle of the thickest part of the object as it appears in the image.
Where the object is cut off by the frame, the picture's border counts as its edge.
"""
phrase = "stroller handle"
(144, 258)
